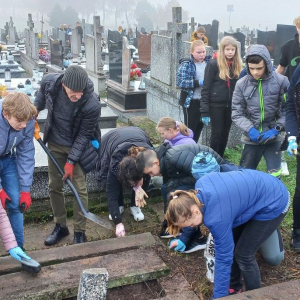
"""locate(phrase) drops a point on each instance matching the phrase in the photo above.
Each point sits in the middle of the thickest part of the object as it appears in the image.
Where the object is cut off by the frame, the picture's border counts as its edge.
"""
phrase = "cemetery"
(134, 76)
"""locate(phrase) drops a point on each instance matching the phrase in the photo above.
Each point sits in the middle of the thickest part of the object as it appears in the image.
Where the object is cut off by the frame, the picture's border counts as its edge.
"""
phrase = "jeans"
(192, 118)
(220, 128)
(248, 238)
(10, 183)
(296, 201)
(252, 155)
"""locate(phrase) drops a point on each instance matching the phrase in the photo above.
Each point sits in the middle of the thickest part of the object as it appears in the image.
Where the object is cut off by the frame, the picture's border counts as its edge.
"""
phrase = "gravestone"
(75, 42)
(55, 33)
(3, 35)
(284, 34)
(57, 52)
(144, 42)
(11, 32)
(241, 38)
(212, 33)
(165, 33)
(32, 40)
(268, 39)
(115, 55)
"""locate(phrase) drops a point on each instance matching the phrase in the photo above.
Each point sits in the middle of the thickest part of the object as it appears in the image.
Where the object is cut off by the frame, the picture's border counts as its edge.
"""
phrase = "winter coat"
(186, 79)
(22, 143)
(215, 91)
(180, 139)
(195, 38)
(176, 163)
(231, 199)
(6, 232)
(293, 105)
(114, 147)
(249, 109)
(86, 120)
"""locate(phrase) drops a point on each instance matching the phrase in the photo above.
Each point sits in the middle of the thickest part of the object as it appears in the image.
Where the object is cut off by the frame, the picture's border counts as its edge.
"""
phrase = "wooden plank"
(61, 281)
(57, 255)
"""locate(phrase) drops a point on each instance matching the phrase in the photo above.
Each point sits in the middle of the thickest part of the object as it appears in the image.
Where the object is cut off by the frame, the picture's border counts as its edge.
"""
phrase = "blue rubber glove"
(292, 147)
(253, 135)
(205, 120)
(201, 82)
(181, 246)
(17, 253)
(268, 135)
(95, 143)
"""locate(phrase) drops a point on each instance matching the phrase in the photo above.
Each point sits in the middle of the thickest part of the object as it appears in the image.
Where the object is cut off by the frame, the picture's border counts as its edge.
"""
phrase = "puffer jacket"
(86, 120)
(114, 147)
(176, 163)
(6, 232)
(249, 109)
(20, 142)
(215, 91)
(231, 199)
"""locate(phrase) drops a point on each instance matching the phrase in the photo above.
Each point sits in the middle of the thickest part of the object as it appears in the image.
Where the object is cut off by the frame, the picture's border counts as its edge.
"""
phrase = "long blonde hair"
(168, 123)
(180, 204)
(237, 64)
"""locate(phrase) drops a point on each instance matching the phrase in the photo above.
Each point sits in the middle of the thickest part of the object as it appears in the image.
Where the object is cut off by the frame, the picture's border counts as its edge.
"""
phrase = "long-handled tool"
(88, 215)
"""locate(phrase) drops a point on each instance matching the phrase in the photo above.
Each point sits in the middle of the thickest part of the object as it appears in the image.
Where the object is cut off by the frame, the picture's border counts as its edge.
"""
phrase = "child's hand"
(139, 197)
(177, 244)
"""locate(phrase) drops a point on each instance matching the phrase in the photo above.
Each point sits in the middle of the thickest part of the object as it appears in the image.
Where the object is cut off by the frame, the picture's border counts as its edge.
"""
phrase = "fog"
(263, 15)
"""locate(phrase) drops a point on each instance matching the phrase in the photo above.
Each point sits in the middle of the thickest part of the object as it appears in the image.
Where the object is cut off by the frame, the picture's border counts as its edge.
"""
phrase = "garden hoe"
(102, 222)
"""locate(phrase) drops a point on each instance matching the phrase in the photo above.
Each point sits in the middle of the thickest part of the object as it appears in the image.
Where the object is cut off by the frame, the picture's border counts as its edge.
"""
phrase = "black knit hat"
(75, 78)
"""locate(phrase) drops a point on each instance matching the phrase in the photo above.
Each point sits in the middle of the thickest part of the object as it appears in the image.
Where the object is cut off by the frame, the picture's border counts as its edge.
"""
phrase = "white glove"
(139, 197)
(120, 230)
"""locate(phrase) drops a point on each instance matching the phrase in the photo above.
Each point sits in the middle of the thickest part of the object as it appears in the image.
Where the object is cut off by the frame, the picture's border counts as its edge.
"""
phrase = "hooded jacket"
(85, 120)
(176, 163)
(20, 142)
(293, 105)
(231, 199)
(114, 147)
(258, 103)
(180, 139)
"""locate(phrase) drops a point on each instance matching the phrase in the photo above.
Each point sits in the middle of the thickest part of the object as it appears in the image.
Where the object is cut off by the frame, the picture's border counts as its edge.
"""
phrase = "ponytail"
(169, 123)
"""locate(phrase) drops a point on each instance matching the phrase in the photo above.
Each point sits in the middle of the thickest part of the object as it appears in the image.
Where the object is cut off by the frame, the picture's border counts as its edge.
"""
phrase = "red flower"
(133, 66)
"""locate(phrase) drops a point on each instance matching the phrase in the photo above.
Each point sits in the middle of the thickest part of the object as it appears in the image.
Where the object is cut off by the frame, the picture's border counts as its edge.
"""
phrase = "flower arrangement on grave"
(2, 47)
(3, 91)
(135, 73)
(44, 55)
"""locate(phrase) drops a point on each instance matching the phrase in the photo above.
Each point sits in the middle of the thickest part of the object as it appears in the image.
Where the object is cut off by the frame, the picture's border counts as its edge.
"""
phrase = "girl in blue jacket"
(241, 209)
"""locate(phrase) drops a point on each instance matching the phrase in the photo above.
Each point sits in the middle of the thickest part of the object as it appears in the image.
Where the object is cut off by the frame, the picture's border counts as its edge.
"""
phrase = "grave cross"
(177, 28)
(6, 27)
(192, 24)
(98, 30)
(30, 22)
(11, 23)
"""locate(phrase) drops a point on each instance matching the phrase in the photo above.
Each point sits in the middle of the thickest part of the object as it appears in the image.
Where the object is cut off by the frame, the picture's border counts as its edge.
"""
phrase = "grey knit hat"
(75, 78)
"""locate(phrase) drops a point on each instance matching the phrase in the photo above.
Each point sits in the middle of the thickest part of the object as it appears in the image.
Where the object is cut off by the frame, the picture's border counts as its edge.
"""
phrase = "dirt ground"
(192, 266)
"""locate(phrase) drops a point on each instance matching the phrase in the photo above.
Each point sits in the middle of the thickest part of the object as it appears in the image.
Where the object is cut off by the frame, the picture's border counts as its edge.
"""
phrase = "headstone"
(192, 24)
(115, 55)
(75, 42)
(55, 33)
(267, 38)
(11, 32)
(165, 33)
(32, 40)
(144, 42)
(57, 52)
(284, 34)
(89, 29)
(62, 36)
(3, 35)
(126, 63)
(177, 28)
(214, 34)
(93, 284)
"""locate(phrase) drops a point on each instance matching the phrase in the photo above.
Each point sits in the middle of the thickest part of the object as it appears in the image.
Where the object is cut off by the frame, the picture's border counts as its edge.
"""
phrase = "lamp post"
(230, 9)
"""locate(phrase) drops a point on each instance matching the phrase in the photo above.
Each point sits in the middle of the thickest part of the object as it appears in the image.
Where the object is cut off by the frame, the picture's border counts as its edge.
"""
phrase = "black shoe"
(79, 237)
(164, 233)
(196, 244)
(296, 240)
(57, 234)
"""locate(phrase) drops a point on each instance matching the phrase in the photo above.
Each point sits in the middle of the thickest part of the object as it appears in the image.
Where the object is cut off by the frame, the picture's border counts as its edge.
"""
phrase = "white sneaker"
(121, 209)
(284, 169)
(137, 213)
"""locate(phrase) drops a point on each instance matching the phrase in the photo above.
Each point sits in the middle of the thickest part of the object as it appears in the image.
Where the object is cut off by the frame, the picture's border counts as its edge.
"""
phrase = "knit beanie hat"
(204, 163)
(75, 78)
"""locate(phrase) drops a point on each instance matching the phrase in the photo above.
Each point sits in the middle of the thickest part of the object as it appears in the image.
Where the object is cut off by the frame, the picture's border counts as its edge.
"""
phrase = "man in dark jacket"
(290, 54)
(72, 133)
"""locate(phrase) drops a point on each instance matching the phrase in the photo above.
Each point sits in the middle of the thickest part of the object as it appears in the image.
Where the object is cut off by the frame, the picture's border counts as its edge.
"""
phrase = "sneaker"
(296, 240)
(196, 244)
(234, 292)
(57, 234)
(284, 169)
(137, 213)
(79, 237)
(121, 209)
(164, 233)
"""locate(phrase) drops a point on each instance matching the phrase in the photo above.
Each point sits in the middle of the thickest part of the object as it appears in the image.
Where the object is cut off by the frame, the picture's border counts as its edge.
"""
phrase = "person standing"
(79, 31)
(199, 34)
(220, 77)
(73, 134)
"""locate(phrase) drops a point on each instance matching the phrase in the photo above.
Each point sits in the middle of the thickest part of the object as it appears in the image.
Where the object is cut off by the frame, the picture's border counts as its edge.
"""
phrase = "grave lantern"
(10, 57)
(142, 85)
(16, 46)
(7, 75)
(40, 75)
(35, 74)
(28, 87)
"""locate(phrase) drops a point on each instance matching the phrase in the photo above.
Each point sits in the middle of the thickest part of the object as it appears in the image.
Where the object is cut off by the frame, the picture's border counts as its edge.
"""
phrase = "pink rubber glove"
(120, 230)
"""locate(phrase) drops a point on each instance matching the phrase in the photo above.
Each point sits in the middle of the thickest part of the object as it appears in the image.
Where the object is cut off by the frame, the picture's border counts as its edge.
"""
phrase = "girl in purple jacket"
(174, 132)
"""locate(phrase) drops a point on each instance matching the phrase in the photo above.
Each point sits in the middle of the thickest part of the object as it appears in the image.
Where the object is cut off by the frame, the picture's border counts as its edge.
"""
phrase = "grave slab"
(61, 281)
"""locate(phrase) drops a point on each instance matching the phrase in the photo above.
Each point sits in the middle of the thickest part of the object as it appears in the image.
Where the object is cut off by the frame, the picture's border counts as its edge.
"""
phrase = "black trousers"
(296, 200)
(220, 118)
(192, 118)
